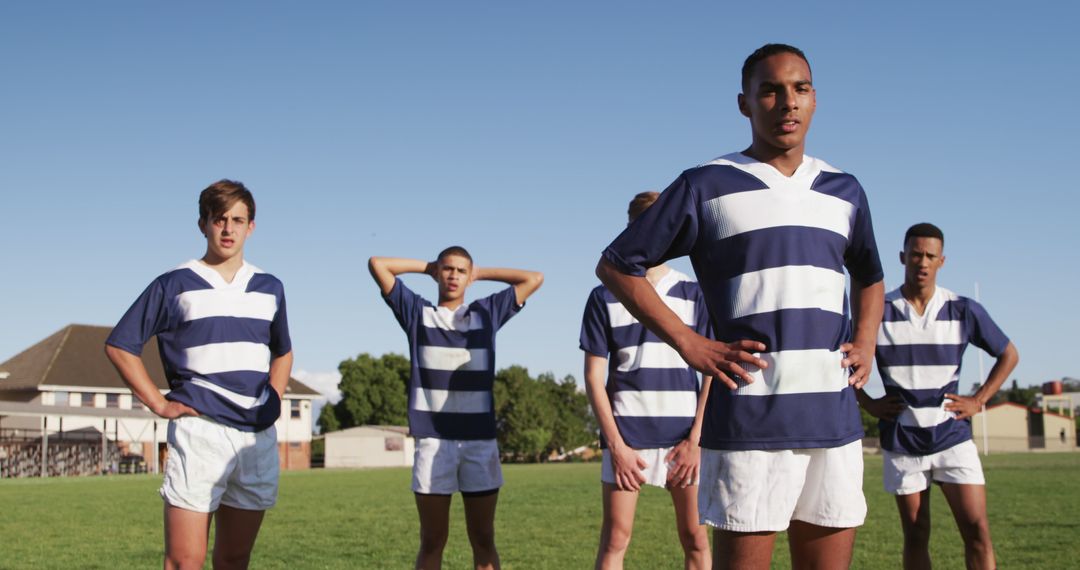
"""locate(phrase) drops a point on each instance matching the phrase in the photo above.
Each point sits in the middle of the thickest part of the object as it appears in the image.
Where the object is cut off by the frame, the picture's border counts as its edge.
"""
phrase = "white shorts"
(655, 471)
(211, 464)
(764, 490)
(909, 474)
(446, 466)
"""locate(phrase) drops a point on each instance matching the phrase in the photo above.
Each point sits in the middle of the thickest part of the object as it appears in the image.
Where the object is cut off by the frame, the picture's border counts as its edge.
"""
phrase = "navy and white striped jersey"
(453, 362)
(919, 359)
(653, 392)
(769, 252)
(216, 340)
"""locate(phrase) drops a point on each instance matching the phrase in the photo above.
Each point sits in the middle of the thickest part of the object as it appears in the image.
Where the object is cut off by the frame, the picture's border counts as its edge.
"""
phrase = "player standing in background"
(451, 407)
(925, 423)
(649, 413)
(224, 340)
(770, 232)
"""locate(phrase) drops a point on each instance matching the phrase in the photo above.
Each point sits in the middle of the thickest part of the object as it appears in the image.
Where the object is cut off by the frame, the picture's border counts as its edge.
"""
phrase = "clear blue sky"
(519, 131)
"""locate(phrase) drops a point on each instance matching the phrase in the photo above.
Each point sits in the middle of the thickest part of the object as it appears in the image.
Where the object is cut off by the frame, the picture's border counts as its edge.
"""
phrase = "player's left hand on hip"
(963, 406)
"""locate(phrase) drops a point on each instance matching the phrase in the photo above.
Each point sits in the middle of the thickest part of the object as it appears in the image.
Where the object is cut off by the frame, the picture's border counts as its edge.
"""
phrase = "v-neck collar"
(211, 276)
(930, 311)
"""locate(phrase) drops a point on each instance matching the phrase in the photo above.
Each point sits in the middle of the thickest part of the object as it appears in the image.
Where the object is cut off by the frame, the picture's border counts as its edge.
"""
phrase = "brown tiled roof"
(75, 356)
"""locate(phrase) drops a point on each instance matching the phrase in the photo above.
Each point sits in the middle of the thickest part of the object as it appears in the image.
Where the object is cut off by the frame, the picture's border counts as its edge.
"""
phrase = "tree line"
(535, 417)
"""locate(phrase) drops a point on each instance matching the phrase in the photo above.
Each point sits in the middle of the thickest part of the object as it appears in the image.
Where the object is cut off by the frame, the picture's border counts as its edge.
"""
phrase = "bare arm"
(709, 357)
(133, 371)
(386, 269)
(625, 462)
(280, 370)
(685, 458)
(884, 408)
(867, 305)
(967, 406)
(525, 282)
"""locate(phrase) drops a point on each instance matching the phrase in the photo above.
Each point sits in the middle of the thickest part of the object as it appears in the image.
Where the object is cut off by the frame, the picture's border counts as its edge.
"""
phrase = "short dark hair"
(218, 197)
(640, 203)
(454, 250)
(765, 51)
(924, 230)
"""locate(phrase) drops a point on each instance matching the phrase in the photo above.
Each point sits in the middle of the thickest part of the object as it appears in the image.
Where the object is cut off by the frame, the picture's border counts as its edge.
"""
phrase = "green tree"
(524, 416)
(374, 391)
(328, 419)
(574, 425)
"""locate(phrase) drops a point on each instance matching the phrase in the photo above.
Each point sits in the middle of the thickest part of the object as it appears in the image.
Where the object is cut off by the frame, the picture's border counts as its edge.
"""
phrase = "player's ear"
(202, 230)
(902, 260)
(942, 262)
(742, 106)
(251, 227)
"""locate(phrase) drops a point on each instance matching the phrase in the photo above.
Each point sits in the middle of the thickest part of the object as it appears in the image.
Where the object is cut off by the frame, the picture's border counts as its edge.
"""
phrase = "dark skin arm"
(967, 406)
(868, 305)
(722, 361)
(884, 408)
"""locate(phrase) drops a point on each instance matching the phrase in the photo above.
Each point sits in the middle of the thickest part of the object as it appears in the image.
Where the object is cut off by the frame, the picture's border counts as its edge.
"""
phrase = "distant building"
(1011, 427)
(65, 388)
(369, 446)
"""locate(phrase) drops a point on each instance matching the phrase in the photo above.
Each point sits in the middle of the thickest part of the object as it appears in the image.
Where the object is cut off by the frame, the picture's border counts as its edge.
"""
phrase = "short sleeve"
(502, 306)
(667, 230)
(861, 257)
(595, 325)
(983, 332)
(146, 317)
(280, 341)
(405, 304)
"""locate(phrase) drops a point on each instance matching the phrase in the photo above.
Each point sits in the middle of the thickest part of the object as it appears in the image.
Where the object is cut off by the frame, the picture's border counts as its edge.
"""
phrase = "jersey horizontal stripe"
(433, 318)
(818, 419)
(442, 358)
(227, 357)
(452, 339)
(790, 287)
(912, 440)
(670, 403)
(655, 379)
(923, 398)
(466, 380)
(221, 329)
(734, 214)
(647, 355)
(246, 402)
(903, 332)
(795, 372)
(651, 432)
(924, 417)
(205, 303)
(620, 316)
(462, 426)
(451, 401)
(790, 329)
(923, 354)
(918, 377)
(778, 247)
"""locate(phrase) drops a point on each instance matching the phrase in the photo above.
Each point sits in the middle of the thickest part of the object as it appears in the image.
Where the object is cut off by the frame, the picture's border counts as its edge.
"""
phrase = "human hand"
(432, 270)
(860, 360)
(722, 360)
(627, 465)
(171, 410)
(963, 406)
(885, 408)
(684, 461)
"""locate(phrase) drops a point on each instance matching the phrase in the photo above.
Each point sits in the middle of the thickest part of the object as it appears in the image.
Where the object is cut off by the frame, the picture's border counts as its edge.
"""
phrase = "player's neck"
(227, 267)
(655, 274)
(918, 297)
(786, 161)
(451, 304)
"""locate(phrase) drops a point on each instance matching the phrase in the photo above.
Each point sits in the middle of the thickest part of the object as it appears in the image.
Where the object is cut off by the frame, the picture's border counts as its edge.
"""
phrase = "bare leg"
(434, 511)
(692, 535)
(742, 550)
(816, 547)
(968, 503)
(915, 520)
(480, 525)
(186, 536)
(234, 537)
(617, 525)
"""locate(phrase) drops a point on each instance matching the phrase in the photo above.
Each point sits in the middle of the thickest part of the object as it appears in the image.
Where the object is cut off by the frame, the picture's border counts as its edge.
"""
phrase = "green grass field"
(548, 517)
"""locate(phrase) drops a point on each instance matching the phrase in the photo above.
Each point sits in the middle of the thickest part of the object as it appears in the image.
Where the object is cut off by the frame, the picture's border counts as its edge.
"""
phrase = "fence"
(66, 454)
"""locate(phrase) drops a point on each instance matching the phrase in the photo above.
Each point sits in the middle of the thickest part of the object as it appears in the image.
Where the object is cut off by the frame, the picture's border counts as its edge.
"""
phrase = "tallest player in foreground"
(769, 232)
(224, 340)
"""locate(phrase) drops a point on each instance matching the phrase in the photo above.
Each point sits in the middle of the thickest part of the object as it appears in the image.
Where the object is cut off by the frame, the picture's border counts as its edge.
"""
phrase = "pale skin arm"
(626, 463)
(386, 269)
(686, 456)
(280, 370)
(967, 406)
(711, 358)
(868, 305)
(524, 282)
(133, 371)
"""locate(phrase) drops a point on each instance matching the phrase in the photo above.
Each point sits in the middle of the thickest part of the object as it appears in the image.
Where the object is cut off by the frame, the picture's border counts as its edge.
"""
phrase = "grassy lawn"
(549, 517)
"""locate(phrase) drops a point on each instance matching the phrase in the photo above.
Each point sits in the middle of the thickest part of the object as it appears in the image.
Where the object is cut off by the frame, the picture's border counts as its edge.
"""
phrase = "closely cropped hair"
(767, 50)
(640, 203)
(218, 197)
(924, 230)
(454, 250)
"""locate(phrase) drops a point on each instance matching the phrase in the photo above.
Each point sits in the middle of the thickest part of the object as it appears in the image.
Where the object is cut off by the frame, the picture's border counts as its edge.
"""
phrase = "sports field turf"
(548, 517)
